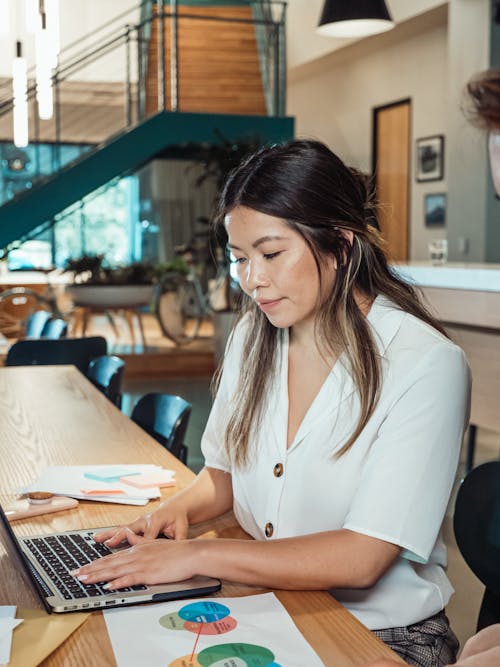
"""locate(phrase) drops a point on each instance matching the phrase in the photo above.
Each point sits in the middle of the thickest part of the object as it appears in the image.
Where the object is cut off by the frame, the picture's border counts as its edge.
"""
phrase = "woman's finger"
(181, 529)
(152, 526)
(122, 582)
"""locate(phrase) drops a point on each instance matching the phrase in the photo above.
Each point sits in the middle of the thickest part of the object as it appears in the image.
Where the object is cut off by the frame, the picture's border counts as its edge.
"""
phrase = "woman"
(338, 419)
(484, 98)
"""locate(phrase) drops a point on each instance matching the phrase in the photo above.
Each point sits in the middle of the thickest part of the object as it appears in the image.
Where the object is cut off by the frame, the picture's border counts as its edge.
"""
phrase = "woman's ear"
(347, 235)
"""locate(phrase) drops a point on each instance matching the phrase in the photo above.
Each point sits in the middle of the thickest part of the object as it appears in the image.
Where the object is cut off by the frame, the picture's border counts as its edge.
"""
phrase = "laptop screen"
(14, 552)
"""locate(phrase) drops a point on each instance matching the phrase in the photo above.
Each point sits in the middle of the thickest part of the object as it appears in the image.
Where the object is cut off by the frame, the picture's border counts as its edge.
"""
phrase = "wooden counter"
(466, 298)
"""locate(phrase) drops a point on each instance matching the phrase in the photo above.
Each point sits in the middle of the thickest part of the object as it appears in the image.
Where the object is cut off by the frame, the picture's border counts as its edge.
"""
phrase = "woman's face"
(494, 148)
(275, 267)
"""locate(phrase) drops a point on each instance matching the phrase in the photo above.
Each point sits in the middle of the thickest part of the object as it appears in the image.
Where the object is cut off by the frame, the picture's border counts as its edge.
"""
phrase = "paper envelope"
(40, 634)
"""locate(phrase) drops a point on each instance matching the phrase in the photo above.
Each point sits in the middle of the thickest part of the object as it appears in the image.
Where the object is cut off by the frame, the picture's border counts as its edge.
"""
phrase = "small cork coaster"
(40, 497)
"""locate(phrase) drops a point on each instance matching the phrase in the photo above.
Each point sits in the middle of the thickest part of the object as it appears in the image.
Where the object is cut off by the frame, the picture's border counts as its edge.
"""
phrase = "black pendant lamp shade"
(354, 18)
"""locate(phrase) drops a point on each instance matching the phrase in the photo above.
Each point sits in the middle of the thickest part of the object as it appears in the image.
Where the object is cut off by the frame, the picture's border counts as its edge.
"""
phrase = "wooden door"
(391, 168)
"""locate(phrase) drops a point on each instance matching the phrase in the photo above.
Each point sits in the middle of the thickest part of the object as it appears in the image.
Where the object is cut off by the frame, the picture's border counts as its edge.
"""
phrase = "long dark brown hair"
(318, 196)
(483, 99)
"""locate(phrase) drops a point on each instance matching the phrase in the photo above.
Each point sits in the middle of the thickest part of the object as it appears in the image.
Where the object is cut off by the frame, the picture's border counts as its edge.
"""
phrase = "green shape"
(253, 655)
(172, 622)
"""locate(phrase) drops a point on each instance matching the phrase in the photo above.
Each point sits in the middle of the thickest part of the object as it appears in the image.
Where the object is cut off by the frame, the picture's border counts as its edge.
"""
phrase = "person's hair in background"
(483, 100)
(483, 110)
(307, 186)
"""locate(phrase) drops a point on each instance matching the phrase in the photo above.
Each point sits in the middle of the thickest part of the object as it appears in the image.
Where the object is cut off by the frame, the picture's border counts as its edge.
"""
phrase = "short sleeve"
(409, 472)
(212, 441)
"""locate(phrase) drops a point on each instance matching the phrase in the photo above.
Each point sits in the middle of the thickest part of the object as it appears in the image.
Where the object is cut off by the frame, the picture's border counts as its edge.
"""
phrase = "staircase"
(211, 86)
(218, 63)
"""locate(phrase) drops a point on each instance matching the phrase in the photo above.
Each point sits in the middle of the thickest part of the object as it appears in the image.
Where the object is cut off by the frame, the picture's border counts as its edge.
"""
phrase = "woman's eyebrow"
(258, 242)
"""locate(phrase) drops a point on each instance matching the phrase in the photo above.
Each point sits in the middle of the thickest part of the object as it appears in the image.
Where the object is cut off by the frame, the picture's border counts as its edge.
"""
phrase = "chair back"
(44, 351)
(106, 373)
(476, 524)
(165, 417)
(35, 323)
(54, 328)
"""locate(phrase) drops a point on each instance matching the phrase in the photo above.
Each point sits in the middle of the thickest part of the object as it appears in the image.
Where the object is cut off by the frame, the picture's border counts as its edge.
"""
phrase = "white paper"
(7, 625)
(165, 639)
(71, 481)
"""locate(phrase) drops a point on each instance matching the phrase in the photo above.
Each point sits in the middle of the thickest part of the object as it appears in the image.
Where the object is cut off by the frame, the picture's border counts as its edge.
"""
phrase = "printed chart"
(254, 631)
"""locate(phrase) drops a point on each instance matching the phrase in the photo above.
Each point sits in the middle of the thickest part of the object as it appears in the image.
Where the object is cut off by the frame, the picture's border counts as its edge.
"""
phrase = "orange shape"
(185, 661)
(216, 628)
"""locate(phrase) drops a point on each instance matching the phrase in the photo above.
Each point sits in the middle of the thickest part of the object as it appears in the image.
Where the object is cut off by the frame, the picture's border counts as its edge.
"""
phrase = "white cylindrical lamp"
(20, 97)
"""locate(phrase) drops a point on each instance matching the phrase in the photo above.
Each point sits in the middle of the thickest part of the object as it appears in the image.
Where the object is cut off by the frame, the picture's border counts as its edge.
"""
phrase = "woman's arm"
(209, 495)
(336, 559)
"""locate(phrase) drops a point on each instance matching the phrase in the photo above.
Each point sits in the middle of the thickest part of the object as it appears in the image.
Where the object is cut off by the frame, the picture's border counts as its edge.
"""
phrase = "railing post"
(174, 53)
(57, 115)
(36, 121)
(162, 92)
(282, 59)
(129, 83)
(276, 64)
(140, 76)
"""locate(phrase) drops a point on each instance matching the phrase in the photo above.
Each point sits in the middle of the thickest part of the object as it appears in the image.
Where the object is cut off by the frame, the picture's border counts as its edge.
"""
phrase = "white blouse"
(393, 483)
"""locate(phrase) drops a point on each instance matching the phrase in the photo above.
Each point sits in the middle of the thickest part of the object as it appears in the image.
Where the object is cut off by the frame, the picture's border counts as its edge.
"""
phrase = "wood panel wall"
(218, 63)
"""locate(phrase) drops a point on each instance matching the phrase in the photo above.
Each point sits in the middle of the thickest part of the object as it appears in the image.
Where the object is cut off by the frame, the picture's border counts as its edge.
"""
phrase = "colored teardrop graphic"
(172, 622)
(205, 611)
(251, 654)
(217, 628)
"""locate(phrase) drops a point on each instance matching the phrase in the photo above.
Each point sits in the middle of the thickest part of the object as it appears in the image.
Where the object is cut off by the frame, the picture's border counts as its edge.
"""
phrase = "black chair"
(43, 352)
(54, 328)
(477, 531)
(106, 373)
(471, 448)
(35, 323)
(165, 417)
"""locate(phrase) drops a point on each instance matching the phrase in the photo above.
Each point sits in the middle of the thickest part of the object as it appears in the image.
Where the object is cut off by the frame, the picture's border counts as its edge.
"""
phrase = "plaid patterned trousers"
(430, 643)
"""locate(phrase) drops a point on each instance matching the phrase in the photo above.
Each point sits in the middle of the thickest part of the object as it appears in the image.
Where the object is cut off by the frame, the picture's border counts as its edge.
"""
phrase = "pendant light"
(354, 18)
(20, 95)
(44, 60)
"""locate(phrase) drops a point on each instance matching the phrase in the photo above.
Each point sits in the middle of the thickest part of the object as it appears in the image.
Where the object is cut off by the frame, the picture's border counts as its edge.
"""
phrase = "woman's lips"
(267, 305)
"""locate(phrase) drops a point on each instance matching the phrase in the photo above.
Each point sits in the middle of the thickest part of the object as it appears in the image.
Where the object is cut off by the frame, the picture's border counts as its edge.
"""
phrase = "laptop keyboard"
(58, 554)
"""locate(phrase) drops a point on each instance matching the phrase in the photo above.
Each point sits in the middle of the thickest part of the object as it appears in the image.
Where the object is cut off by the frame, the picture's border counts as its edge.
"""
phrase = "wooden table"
(51, 415)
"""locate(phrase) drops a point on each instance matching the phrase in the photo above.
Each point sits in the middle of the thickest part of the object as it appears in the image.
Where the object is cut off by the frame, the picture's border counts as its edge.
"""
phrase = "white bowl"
(111, 296)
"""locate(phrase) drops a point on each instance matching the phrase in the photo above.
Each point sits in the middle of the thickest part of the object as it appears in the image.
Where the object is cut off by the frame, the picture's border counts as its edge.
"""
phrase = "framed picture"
(430, 158)
(435, 210)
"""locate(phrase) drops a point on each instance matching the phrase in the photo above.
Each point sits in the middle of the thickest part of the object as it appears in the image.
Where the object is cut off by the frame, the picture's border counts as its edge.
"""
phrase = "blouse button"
(278, 470)
(269, 529)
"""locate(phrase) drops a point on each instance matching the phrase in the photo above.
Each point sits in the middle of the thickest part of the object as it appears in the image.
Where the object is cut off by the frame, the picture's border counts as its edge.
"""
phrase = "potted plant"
(95, 285)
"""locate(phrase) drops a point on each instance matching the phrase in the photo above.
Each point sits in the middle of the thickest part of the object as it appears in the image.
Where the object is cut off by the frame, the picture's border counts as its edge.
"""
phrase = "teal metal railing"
(108, 69)
(111, 65)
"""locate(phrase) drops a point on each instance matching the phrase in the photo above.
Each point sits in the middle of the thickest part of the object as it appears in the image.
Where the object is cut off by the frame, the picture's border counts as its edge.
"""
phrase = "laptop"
(47, 560)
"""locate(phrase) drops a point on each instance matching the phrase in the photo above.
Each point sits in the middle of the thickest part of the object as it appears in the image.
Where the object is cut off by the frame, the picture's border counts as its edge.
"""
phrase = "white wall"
(333, 101)
(468, 43)
(305, 45)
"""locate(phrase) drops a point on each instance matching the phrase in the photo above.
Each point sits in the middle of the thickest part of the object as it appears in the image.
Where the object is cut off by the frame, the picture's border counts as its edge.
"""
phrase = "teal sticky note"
(111, 475)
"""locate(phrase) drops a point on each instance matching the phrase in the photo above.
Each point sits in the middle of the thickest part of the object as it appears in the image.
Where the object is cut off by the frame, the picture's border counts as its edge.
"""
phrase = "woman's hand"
(145, 562)
(208, 496)
(170, 519)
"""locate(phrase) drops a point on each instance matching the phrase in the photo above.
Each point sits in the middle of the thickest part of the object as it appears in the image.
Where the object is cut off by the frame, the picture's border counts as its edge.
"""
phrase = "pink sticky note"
(160, 478)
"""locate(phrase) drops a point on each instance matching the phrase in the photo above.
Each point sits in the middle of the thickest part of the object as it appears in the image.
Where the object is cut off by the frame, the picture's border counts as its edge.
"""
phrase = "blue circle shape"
(205, 611)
